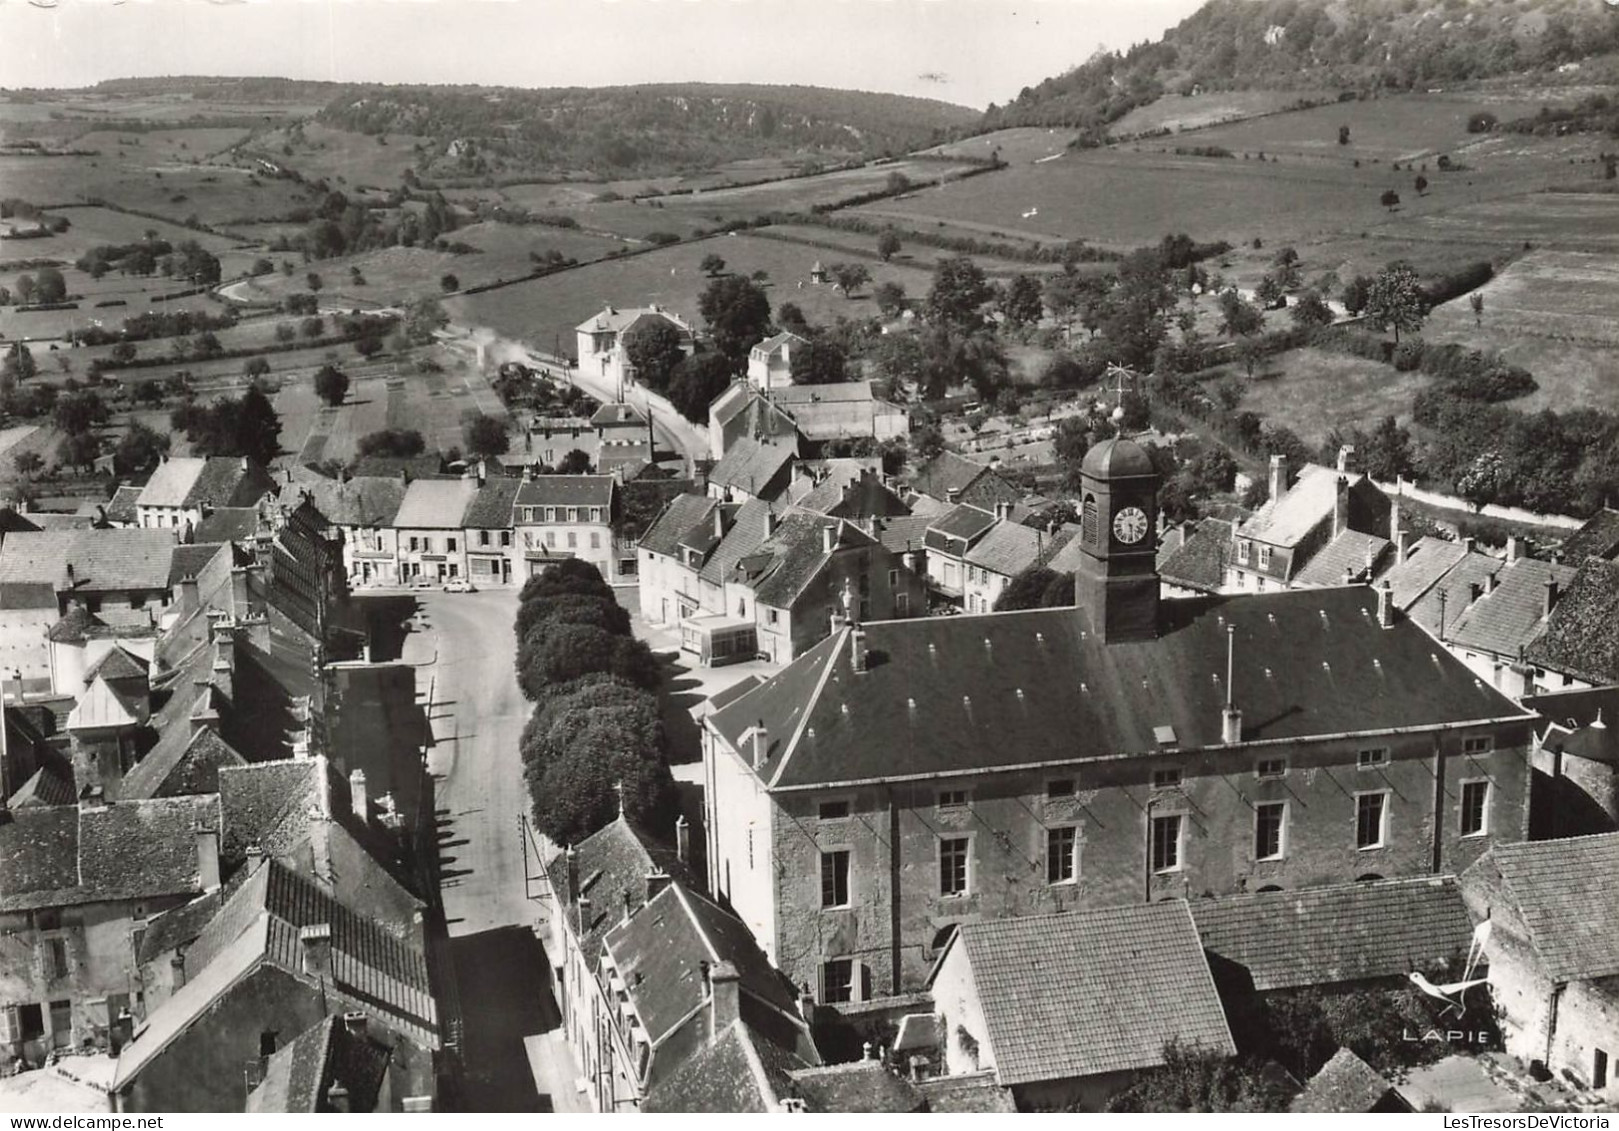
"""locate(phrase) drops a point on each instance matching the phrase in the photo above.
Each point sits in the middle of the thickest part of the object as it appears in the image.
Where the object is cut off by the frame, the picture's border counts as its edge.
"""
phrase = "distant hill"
(1352, 45)
(624, 130)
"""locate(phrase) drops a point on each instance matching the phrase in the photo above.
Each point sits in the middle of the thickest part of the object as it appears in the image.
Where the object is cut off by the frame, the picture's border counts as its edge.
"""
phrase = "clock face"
(1130, 525)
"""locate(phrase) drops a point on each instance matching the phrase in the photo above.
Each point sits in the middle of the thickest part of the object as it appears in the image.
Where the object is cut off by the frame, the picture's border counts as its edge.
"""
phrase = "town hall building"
(904, 777)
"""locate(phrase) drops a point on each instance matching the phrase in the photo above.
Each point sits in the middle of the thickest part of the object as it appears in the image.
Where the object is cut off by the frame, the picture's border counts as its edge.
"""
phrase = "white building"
(770, 363)
(601, 340)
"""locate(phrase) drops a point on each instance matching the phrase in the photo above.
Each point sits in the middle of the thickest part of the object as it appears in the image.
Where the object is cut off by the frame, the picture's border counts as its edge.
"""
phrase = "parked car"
(421, 581)
(460, 585)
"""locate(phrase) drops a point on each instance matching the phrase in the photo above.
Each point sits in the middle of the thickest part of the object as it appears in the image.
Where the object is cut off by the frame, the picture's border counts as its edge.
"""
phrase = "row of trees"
(595, 741)
(232, 426)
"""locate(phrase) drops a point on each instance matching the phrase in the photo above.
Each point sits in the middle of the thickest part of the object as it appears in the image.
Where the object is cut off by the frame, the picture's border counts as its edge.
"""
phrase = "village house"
(753, 469)
(1335, 515)
(365, 508)
(770, 362)
(1193, 557)
(600, 340)
(1554, 954)
(277, 957)
(183, 489)
(566, 516)
(1576, 761)
(808, 416)
(1005, 551)
(335, 1066)
(78, 883)
(849, 487)
(1578, 645)
(488, 529)
(1067, 1009)
(902, 777)
(672, 553)
(949, 479)
(949, 539)
(430, 529)
(1348, 1085)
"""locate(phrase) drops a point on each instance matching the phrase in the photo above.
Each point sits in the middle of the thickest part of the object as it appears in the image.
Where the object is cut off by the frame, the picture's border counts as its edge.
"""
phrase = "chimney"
(1474, 591)
(1344, 452)
(572, 859)
(761, 744)
(238, 591)
(806, 1003)
(656, 881)
(839, 623)
(207, 857)
(337, 1098)
(355, 1022)
(483, 472)
(224, 673)
(857, 649)
(177, 971)
(1552, 593)
(316, 940)
(1230, 716)
(829, 538)
(1003, 512)
(1385, 605)
(723, 980)
(1402, 542)
(1230, 725)
(358, 797)
(255, 857)
(683, 839)
(1340, 506)
(528, 473)
(1490, 581)
(244, 463)
(188, 596)
(1278, 476)
(404, 477)
(629, 906)
(953, 494)
(719, 522)
(772, 520)
(1467, 545)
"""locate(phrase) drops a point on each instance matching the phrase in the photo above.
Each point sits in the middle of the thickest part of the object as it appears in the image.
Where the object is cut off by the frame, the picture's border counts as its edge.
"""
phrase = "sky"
(971, 52)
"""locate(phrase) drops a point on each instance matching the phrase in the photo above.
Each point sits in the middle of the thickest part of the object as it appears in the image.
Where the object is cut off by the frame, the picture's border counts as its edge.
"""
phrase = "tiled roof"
(1343, 933)
(46, 787)
(362, 500)
(190, 561)
(1008, 549)
(103, 561)
(298, 1078)
(491, 508)
(1302, 507)
(825, 412)
(436, 504)
(1198, 563)
(1449, 595)
(616, 413)
(216, 481)
(118, 663)
(904, 533)
(178, 925)
(1598, 538)
(228, 524)
(961, 525)
(797, 557)
(944, 473)
(1350, 554)
(611, 319)
(1346, 1084)
(613, 860)
(1581, 637)
(969, 693)
(1085, 993)
(429, 465)
(566, 491)
(1426, 561)
(171, 482)
(774, 343)
(973, 1094)
(865, 1086)
(752, 465)
(47, 520)
(67, 855)
(747, 531)
(684, 513)
(121, 507)
(729, 1074)
(179, 766)
(1563, 891)
(1506, 619)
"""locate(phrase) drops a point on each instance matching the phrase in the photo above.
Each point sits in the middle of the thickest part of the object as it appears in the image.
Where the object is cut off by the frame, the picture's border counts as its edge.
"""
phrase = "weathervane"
(1118, 374)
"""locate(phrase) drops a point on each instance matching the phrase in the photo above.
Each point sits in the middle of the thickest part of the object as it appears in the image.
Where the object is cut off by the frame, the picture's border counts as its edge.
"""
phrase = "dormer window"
(1244, 551)
(1264, 557)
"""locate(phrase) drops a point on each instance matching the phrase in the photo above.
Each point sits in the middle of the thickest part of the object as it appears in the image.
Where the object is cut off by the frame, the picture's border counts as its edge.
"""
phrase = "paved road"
(477, 715)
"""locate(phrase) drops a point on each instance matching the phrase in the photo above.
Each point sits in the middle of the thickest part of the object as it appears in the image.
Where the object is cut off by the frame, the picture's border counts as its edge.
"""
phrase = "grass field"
(1313, 391)
(827, 243)
(1173, 112)
(803, 193)
(344, 158)
(544, 312)
(1019, 146)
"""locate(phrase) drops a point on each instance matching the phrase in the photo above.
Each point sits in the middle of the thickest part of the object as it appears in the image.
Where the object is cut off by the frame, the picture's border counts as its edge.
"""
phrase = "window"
(1087, 519)
(1478, 744)
(1166, 779)
(550, 514)
(573, 514)
(902, 604)
(837, 981)
(1271, 768)
(835, 878)
(893, 579)
(952, 798)
(1475, 807)
(1599, 1069)
(1166, 843)
(1371, 759)
(267, 1042)
(772, 616)
(449, 545)
(595, 540)
(505, 537)
(415, 543)
(1243, 551)
(1269, 820)
(834, 810)
(483, 537)
(1264, 557)
(550, 539)
(56, 958)
(1369, 819)
(1060, 787)
(1062, 855)
(573, 540)
(953, 852)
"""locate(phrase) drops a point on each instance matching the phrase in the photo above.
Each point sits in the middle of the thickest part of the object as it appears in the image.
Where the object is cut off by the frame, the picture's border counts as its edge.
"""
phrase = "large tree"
(486, 436)
(738, 316)
(1395, 300)
(697, 381)
(1023, 304)
(958, 294)
(1239, 318)
(140, 449)
(654, 349)
(50, 286)
(849, 276)
(331, 384)
(819, 362)
(888, 244)
(392, 442)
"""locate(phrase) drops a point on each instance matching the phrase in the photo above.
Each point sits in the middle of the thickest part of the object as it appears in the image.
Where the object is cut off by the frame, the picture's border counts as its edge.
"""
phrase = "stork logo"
(1454, 997)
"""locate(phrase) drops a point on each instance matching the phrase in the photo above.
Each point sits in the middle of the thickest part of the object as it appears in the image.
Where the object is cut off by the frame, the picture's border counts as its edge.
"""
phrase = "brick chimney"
(316, 942)
(571, 858)
(207, 857)
(1278, 476)
(1003, 512)
(188, 596)
(1340, 506)
(723, 984)
(719, 522)
(358, 798)
(683, 839)
(238, 590)
(1402, 542)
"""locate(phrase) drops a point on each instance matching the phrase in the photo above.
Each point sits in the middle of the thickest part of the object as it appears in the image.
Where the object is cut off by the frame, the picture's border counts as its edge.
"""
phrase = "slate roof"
(865, 1086)
(178, 766)
(612, 319)
(752, 465)
(1427, 561)
(824, 412)
(103, 561)
(216, 481)
(46, 787)
(748, 530)
(491, 507)
(944, 473)
(1198, 563)
(436, 504)
(956, 529)
(1474, 568)
(566, 491)
(63, 856)
(972, 693)
(1342, 933)
(1346, 1084)
(904, 533)
(1008, 549)
(1509, 618)
(121, 507)
(1563, 891)
(1581, 637)
(773, 344)
(190, 561)
(1302, 507)
(1574, 717)
(1083, 993)
(616, 414)
(1351, 553)
(796, 557)
(682, 514)
(406, 469)
(361, 500)
(228, 524)
(118, 663)
(1598, 538)
(298, 1077)
(612, 860)
(730, 1074)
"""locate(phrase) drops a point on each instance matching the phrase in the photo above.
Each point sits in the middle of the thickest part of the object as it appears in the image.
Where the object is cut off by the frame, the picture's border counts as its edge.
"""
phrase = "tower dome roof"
(1117, 458)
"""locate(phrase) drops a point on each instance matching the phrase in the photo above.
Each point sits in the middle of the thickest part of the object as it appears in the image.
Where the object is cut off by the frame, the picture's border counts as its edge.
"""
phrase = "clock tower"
(1117, 580)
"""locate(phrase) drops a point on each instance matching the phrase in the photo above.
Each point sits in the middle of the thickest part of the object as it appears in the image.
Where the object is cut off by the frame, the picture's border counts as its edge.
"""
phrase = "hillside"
(1350, 45)
(618, 131)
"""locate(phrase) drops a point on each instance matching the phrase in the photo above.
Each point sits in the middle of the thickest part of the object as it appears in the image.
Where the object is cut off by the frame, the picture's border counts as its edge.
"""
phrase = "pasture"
(831, 244)
(344, 158)
(1176, 113)
(803, 193)
(1019, 146)
(1556, 313)
(1313, 391)
(544, 312)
